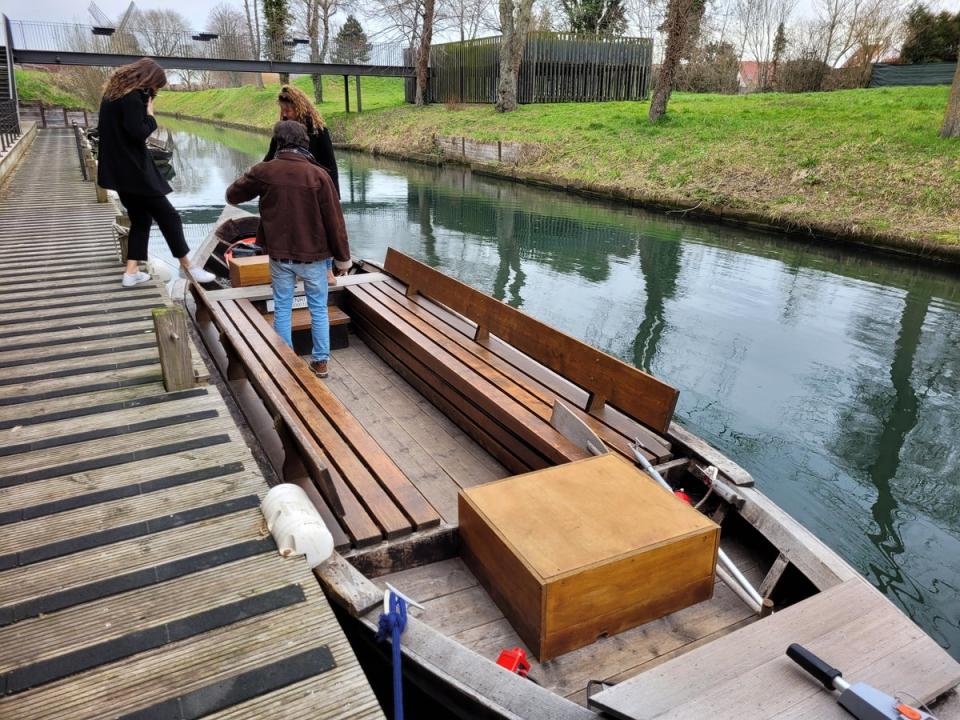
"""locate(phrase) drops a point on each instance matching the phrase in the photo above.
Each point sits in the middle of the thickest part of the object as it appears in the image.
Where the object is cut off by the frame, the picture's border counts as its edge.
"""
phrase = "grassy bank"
(861, 162)
(34, 85)
(258, 108)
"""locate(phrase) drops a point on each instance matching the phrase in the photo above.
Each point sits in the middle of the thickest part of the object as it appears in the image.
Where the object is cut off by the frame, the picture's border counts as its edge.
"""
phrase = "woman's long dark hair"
(144, 74)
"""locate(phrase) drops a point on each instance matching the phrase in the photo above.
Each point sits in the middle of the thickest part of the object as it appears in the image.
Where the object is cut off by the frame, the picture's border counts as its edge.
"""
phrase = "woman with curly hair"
(125, 165)
(295, 105)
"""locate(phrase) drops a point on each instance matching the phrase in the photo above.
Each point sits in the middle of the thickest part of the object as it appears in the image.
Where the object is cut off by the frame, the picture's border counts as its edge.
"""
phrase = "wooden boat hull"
(789, 564)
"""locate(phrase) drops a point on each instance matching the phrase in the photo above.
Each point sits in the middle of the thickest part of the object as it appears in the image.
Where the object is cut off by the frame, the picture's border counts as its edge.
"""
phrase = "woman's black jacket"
(322, 150)
(123, 162)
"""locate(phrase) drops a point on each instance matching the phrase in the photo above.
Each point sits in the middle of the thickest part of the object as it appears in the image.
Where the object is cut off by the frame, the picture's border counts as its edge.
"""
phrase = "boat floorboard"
(431, 450)
(136, 576)
(457, 606)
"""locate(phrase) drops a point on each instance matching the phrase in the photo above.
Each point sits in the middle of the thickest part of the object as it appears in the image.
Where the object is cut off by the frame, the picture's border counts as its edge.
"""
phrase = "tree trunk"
(682, 15)
(254, 36)
(951, 121)
(423, 55)
(514, 21)
(313, 31)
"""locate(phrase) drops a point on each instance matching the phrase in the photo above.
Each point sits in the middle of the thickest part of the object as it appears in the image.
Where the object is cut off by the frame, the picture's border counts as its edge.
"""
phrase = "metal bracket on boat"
(726, 570)
(719, 485)
(406, 599)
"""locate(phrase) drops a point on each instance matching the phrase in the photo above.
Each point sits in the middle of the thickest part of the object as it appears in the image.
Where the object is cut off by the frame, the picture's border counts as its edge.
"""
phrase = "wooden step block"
(585, 549)
(300, 326)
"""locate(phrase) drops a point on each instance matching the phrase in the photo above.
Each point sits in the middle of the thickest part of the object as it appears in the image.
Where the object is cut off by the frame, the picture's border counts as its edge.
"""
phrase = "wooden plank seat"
(354, 483)
(471, 371)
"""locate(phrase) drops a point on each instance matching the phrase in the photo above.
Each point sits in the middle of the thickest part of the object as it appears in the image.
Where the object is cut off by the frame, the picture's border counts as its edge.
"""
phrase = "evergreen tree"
(604, 18)
(351, 46)
(779, 47)
(931, 37)
(276, 19)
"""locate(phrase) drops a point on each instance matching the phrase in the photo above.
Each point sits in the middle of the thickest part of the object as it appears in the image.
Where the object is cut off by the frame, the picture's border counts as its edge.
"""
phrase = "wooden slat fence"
(556, 67)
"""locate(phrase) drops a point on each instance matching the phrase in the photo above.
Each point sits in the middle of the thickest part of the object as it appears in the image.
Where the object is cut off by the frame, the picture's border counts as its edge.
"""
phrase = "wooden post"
(66, 123)
(86, 120)
(170, 326)
(359, 99)
(43, 116)
(346, 92)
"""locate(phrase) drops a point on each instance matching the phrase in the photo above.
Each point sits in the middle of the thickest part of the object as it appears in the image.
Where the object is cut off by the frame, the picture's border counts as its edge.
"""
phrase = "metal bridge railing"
(139, 40)
(9, 124)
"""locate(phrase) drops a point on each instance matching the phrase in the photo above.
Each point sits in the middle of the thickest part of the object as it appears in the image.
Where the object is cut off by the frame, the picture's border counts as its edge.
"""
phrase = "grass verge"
(865, 163)
(34, 85)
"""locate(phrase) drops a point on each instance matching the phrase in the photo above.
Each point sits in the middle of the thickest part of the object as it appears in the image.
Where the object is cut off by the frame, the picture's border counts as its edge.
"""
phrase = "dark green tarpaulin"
(927, 74)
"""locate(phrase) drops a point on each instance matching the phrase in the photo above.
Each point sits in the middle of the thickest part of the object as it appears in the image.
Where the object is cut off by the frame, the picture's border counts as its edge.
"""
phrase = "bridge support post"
(346, 92)
(359, 100)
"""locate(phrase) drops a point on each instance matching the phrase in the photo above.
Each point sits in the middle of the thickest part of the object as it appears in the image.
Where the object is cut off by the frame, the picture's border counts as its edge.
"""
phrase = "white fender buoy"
(159, 270)
(296, 525)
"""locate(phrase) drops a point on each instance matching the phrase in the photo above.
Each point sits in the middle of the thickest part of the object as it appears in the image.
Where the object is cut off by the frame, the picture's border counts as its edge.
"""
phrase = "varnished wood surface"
(645, 398)
(851, 626)
(126, 510)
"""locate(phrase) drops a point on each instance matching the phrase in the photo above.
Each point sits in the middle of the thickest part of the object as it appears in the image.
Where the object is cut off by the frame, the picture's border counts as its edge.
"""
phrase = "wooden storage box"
(586, 549)
(245, 271)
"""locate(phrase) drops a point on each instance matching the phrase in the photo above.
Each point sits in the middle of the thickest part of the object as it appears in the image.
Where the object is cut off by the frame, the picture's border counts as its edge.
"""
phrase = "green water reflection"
(832, 376)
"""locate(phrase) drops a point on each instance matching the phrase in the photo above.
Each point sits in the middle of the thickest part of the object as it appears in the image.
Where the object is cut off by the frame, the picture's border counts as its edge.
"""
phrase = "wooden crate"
(586, 549)
(246, 271)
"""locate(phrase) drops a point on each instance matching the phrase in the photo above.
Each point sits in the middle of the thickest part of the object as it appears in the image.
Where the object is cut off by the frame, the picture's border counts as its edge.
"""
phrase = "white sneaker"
(137, 278)
(201, 275)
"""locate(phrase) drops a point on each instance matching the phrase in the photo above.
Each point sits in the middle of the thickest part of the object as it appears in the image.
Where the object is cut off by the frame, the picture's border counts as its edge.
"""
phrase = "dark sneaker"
(319, 368)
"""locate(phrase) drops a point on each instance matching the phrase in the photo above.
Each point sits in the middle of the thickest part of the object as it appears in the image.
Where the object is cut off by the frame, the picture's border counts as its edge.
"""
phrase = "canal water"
(832, 376)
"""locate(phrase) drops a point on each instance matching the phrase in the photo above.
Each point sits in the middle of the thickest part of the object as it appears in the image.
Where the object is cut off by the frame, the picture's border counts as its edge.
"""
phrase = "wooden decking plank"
(20, 375)
(79, 404)
(92, 299)
(141, 371)
(42, 332)
(138, 510)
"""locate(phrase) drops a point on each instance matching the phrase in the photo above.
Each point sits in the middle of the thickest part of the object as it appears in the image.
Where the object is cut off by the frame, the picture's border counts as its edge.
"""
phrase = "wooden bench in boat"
(851, 626)
(421, 323)
(361, 490)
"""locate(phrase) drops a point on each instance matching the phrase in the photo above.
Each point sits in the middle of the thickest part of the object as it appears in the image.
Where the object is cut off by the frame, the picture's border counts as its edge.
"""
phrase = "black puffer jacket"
(124, 164)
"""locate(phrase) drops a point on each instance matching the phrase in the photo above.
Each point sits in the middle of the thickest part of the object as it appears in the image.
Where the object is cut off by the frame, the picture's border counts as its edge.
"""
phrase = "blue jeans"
(314, 275)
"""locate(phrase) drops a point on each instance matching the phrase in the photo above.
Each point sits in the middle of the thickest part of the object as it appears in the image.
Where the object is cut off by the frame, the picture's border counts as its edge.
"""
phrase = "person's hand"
(150, 106)
(340, 273)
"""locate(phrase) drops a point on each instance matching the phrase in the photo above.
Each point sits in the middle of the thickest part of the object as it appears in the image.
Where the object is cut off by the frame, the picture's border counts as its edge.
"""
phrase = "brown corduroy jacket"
(300, 214)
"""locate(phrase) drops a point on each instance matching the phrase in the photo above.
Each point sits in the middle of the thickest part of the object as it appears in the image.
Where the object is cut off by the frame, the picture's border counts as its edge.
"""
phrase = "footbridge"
(49, 43)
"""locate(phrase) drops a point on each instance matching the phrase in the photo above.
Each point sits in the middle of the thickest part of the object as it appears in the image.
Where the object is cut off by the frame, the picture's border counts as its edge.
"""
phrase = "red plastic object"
(228, 255)
(683, 496)
(515, 661)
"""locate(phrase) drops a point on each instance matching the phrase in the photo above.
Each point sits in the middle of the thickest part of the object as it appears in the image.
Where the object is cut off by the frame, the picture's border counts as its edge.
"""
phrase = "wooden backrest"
(607, 379)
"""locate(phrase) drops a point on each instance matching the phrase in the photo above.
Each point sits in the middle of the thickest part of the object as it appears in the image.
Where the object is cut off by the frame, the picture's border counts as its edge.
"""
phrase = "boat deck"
(136, 579)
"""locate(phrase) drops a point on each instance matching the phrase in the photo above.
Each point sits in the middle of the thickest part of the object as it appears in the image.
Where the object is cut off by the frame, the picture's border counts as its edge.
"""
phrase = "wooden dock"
(136, 579)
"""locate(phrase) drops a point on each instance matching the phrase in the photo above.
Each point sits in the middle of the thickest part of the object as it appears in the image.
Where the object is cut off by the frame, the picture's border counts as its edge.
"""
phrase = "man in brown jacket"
(302, 229)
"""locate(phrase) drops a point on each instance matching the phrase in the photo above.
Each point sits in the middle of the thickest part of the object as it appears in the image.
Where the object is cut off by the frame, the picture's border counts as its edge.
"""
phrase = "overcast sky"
(196, 11)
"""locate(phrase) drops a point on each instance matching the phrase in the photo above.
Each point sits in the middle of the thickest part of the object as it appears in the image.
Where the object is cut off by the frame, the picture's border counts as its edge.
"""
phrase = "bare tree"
(423, 54)
(253, 32)
(514, 22)
(682, 28)
(399, 20)
(468, 17)
(648, 16)
(314, 17)
(759, 21)
(161, 32)
(228, 23)
(951, 121)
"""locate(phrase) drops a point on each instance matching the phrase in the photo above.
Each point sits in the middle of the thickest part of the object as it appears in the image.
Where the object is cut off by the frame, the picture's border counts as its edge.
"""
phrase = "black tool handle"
(812, 664)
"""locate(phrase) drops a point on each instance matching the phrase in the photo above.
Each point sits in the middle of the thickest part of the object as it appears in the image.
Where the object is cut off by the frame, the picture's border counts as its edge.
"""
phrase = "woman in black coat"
(295, 105)
(125, 165)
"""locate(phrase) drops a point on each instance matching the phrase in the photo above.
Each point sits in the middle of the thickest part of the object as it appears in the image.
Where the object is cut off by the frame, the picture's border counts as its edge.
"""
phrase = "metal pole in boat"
(727, 571)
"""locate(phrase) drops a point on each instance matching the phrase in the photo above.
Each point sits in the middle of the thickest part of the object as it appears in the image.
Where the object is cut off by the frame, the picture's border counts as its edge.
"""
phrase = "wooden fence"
(556, 67)
(56, 115)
